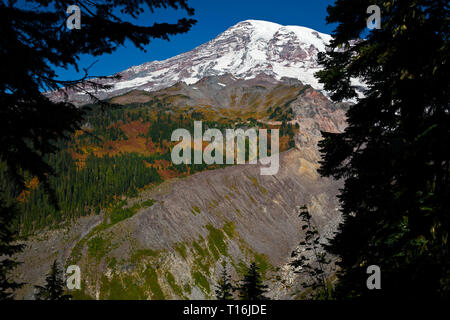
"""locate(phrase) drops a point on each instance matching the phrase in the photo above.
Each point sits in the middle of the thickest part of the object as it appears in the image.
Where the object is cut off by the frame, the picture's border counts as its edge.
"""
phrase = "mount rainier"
(244, 50)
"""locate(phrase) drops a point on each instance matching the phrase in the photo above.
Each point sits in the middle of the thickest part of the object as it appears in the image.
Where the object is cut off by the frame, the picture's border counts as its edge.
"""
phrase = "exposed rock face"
(231, 95)
(173, 249)
(232, 213)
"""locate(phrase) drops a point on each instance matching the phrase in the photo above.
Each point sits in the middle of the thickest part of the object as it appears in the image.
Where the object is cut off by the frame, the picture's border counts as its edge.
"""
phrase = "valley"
(141, 227)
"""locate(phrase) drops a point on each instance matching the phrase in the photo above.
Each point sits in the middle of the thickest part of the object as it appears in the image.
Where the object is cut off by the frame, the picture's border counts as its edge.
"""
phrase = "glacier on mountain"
(244, 50)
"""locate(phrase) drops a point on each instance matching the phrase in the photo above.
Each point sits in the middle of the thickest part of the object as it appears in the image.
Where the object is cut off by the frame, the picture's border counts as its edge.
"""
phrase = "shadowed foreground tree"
(8, 248)
(312, 260)
(54, 288)
(34, 40)
(394, 154)
(224, 288)
(252, 287)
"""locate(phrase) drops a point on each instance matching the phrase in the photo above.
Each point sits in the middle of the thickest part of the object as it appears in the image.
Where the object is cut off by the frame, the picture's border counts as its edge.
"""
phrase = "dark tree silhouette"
(34, 41)
(224, 288)
(312, 260)
(251, 286)
(393, 155)
(54, 286)
(8, 247)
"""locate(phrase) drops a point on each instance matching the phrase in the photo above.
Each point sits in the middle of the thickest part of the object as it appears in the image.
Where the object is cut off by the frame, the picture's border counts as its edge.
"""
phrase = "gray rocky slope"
(232, 213)
(173, 248)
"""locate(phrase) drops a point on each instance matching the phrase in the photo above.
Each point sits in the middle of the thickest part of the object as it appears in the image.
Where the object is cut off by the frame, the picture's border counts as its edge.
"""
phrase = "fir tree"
(54, 287)
(312, 260)
(8, 248)
(252, 287)
(393, 156)
(224, 288)
(34, 43)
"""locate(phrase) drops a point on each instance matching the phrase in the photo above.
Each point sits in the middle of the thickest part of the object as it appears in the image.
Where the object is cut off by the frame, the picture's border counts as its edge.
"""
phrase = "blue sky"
(213, 17)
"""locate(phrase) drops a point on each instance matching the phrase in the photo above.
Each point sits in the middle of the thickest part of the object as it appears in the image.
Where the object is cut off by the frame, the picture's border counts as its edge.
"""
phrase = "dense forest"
(85, 190)
(97, 168)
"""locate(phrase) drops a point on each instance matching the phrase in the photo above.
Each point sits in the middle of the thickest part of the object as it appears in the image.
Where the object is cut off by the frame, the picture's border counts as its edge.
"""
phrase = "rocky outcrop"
(173, 248)
(181, 230)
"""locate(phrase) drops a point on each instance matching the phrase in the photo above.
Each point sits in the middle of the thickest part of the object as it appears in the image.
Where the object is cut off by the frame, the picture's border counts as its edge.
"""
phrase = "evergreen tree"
(252, 287)
(313, 259)
(224, 288)
(54, 287)
(393, 155)
(8, 247)
(34, 42)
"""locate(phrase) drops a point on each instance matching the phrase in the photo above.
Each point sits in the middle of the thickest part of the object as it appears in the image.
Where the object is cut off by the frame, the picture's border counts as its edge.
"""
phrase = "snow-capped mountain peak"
(244, 50)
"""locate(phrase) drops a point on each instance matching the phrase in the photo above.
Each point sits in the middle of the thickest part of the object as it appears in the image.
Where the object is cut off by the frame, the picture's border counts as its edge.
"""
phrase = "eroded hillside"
(173, 248)
(168, 239)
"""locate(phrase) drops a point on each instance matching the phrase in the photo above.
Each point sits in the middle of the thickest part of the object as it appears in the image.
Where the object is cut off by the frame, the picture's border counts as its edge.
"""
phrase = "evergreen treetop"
(393, 155)
(54, 288)
(252, 287)
(224, 288)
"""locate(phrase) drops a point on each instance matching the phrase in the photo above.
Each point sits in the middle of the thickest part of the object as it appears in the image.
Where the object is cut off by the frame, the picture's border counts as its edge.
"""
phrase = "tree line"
(80, 191)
